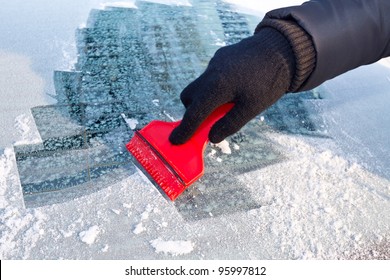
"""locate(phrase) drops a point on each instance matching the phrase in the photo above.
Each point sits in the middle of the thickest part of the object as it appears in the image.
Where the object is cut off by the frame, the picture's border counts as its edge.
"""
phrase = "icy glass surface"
(132, 65)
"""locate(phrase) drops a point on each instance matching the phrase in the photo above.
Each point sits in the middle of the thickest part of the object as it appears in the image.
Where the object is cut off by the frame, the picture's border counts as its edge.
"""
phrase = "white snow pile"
(174, 248)
(89, 236)
(20, 228)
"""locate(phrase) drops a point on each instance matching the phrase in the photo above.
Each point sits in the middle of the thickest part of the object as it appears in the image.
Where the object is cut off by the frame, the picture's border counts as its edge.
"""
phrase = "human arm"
(322, 39)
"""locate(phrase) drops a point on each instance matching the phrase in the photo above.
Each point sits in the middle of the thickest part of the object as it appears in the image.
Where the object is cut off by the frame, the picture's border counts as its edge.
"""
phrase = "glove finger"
(191, 91)
(195, 114)
(232, 122)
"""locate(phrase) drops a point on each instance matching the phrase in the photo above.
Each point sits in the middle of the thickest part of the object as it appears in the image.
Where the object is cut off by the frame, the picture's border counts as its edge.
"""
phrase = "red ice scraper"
(173, 167)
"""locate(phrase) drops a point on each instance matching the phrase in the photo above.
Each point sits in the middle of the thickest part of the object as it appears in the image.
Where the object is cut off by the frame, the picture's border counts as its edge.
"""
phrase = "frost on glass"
(132, 65)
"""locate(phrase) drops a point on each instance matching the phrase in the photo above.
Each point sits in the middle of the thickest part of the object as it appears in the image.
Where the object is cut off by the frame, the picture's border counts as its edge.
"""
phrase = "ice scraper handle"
(202, 133)
(174, 167)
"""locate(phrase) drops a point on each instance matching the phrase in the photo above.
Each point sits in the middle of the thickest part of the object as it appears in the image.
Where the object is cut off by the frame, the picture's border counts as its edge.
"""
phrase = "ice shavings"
(20, 229)
(5, 170)
(174, 248)
(213, 155)
(139, 228)
(89, 236)
(321, 197)
(132, 123)
(224, 147)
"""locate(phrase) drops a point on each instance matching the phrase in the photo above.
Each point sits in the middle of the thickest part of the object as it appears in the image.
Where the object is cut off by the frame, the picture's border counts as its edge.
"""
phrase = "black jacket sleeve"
(345, 33)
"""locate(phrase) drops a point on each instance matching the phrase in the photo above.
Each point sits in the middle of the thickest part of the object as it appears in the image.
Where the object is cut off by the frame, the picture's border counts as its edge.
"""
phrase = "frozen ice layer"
(134, 62)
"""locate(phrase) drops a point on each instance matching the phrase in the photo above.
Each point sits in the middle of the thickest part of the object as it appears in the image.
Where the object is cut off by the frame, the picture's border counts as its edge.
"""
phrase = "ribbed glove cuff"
(302, 46)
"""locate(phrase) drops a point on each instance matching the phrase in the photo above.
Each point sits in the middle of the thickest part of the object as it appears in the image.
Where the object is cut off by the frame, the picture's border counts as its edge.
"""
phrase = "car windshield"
(307, 178)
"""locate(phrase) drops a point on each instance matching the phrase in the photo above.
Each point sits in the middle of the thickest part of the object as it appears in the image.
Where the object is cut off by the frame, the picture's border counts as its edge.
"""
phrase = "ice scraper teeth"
(173, 167)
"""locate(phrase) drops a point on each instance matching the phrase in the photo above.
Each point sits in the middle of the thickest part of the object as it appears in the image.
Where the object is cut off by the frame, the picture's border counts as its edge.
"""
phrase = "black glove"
(253, 74)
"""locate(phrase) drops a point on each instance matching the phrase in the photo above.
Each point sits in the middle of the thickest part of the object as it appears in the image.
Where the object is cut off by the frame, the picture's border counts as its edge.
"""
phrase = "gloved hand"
(253, 74)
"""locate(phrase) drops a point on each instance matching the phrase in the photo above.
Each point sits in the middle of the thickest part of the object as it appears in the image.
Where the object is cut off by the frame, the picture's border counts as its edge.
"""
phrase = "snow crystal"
(173, 248)
(89, 236)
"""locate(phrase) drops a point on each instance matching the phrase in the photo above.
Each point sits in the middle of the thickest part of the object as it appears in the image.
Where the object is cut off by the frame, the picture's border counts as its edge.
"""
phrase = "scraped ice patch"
(174, 248)
(89, 236)
(119, 4)
(132, 123)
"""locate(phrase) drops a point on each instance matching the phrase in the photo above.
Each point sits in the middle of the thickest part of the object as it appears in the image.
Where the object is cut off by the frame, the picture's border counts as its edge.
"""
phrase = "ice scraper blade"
(173, 167)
